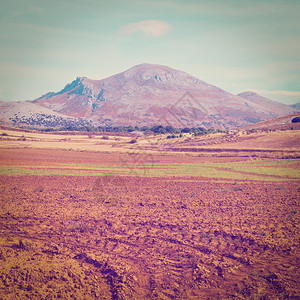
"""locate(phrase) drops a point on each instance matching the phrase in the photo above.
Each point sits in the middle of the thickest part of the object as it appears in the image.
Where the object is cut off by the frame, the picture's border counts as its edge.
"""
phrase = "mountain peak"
(85, 80)
(80, 78)
(148, 66)
(254, 97)
(160, 76)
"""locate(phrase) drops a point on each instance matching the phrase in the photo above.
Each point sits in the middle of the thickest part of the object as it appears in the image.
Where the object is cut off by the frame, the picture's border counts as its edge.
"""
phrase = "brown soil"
(111, 237)
(54, 157)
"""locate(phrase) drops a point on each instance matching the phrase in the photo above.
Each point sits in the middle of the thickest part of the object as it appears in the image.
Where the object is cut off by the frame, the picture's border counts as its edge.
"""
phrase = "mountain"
(275, 107)
(150, 94)
(153, 94)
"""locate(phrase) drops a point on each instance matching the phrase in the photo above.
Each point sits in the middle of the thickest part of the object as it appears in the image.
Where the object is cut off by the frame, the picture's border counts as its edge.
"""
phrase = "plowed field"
(79, 225)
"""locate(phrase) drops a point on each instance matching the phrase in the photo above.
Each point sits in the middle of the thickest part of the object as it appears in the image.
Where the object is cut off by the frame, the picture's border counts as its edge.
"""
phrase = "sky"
(237, 45)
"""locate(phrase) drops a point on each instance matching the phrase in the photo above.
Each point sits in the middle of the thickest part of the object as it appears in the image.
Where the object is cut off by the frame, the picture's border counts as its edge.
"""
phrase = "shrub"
(133, 141)
(296, 120)
(186, 130)
(172, 136)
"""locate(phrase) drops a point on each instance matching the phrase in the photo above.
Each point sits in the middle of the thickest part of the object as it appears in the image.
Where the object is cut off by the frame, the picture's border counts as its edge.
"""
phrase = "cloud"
(149, 27)
(37, 9)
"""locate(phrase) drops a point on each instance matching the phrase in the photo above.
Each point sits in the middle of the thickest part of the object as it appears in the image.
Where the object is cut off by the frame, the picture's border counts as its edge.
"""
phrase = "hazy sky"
(237, 45)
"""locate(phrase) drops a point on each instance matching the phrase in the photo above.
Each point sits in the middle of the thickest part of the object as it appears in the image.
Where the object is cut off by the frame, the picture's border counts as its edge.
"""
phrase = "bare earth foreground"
(199, 218)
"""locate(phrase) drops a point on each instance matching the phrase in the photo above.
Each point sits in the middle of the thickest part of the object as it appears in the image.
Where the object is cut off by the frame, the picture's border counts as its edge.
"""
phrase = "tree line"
(158, 129)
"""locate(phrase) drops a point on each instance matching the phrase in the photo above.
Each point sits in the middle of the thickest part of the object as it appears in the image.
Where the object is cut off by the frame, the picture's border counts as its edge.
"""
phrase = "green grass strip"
(263, 170)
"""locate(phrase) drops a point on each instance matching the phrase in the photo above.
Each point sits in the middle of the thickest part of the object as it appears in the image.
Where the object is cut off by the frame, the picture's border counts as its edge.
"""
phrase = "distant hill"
(276, 107)
(27, 114)
(150, 94)
(296, 106)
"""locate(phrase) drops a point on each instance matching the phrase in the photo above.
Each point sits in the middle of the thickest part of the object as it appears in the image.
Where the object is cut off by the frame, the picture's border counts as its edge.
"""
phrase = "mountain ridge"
(150, 94)
(256, 98)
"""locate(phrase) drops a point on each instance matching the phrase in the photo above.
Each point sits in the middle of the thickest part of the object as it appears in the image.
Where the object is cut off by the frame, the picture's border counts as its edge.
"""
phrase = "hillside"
(27, 114)
(280, 123)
